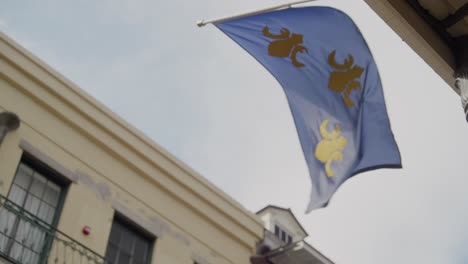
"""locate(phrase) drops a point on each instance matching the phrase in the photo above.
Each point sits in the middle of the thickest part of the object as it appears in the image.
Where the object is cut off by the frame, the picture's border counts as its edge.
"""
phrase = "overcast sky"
(199, 95)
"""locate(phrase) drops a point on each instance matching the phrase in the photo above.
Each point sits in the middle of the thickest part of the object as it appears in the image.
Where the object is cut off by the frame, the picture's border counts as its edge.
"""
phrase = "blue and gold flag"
(326, 69)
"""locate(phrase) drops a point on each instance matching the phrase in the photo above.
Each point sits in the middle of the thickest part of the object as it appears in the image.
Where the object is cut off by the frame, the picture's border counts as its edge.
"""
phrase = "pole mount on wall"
(8, 122)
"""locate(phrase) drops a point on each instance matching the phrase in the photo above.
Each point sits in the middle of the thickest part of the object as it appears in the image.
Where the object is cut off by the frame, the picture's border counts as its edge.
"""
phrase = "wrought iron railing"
(26, 239)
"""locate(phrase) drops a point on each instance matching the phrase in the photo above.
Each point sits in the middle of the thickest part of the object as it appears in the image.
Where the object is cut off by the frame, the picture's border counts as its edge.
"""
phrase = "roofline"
(283, 209)
(302, 243)
(317, 251)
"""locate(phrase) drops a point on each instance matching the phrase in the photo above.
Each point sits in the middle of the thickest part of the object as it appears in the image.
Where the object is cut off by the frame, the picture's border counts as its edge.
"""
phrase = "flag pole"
(201, 23)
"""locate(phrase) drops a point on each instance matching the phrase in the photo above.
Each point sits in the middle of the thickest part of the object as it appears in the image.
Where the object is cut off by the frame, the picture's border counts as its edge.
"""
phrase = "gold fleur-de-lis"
(345, 78)
(285, 45)
(331, 147)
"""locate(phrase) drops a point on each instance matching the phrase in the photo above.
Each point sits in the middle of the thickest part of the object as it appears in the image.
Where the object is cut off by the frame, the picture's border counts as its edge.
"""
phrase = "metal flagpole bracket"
(202, 22)
(8, 122)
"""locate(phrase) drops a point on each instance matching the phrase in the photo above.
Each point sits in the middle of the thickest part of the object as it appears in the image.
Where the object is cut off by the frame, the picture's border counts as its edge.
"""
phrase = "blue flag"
(326, 69)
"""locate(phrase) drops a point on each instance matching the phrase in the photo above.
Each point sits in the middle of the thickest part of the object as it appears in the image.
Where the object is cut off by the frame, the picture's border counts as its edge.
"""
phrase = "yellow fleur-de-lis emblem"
(345, 78)
(331, 147)
(285, 45)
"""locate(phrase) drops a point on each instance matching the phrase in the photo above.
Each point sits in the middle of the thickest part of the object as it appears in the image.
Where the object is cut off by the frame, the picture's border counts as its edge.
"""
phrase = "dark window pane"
(124, 258)
(52, 194)
(115, 234)
(38, 185)
(283, 236)
(33, 258)
(23, 176)
(289, 239)
(277, 231)
(17, 195)
(127, 244)
(24, 232)
(7, 222)
(111, 254)
(28, 256)
(141, 247)
(16, 251)
(46, 213)
(32, 204)
(39, 239)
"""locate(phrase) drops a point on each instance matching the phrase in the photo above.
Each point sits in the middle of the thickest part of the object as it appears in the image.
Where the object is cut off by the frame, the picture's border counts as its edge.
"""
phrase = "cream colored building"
(78, 184)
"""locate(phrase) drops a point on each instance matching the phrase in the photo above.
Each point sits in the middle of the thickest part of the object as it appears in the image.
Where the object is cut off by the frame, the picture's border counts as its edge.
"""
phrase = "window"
(127, 245)
(282, 235)
(34, 191)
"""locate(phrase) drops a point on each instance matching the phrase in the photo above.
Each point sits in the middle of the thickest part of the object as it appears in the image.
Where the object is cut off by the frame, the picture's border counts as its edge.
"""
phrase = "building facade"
(284, 239)
(80, 185)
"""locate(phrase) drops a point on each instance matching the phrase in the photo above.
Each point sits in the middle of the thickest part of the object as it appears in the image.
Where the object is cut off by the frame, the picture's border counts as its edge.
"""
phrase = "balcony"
(26, 239)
